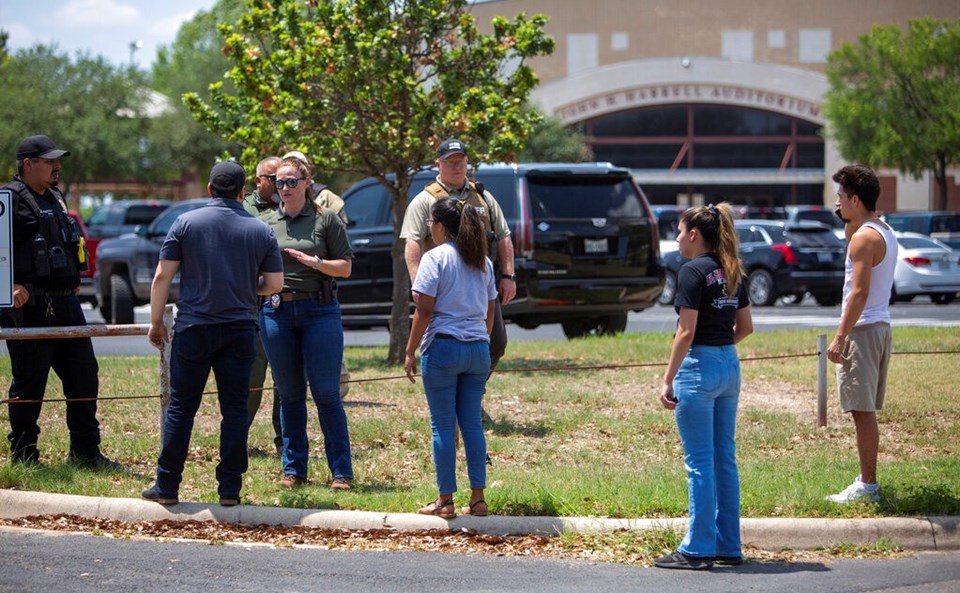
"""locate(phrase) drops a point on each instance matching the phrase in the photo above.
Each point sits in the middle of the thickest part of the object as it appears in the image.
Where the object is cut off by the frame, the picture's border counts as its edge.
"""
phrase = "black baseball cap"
(451, 146)
(227, 178)
(39, 147)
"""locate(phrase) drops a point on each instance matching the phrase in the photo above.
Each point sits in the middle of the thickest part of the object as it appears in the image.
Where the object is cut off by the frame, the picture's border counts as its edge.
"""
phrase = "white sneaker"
(857, 492)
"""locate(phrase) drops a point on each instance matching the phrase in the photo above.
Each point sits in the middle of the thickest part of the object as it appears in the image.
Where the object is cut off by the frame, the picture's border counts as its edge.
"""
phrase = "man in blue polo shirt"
(225, 257)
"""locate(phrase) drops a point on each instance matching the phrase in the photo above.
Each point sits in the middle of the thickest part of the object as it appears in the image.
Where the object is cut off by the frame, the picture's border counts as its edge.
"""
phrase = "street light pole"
(134, 46)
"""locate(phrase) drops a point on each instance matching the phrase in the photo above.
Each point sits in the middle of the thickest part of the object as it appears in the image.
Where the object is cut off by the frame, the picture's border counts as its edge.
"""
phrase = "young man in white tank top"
(861, 347)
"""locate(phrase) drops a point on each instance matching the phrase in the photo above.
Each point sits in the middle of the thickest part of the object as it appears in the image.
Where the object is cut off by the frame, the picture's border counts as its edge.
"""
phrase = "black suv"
(585, 243)
(126, 264)
(782, 259)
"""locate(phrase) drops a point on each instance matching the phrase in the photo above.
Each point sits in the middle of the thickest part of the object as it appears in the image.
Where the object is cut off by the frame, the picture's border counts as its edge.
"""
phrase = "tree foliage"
(894, 98)
(551, 142)
(371, 87)
(84, 104)
(190, 64)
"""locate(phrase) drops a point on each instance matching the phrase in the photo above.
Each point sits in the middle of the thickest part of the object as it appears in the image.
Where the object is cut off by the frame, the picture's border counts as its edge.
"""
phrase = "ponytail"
(462, 223)
(715, 224)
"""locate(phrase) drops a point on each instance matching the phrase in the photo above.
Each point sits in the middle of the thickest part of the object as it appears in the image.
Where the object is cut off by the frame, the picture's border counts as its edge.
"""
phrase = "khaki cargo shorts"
(862, 376)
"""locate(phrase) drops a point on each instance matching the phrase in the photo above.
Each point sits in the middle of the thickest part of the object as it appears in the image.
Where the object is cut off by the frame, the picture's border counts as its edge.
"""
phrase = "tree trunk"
(940, 173)
(400, 312)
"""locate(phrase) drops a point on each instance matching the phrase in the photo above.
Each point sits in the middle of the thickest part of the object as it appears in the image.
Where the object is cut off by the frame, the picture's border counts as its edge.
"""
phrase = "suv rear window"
(574, 196)
(143, 214)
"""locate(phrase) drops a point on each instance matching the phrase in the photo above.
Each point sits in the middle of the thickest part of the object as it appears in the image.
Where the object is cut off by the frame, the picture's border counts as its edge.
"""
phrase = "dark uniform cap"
(227, 178)
(41, 147)
(450, 146)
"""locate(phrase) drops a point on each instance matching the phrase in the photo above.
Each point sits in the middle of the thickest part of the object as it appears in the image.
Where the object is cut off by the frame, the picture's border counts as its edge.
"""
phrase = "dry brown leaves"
(458, 542)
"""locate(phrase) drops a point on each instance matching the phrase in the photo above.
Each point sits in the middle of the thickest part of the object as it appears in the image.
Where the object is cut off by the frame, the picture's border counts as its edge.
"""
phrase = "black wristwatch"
(509, 277)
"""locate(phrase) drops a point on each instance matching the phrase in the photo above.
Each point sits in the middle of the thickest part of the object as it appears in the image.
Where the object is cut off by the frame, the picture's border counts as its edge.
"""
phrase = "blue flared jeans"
(707, 388)
(304, 343)
(454, 377)
(227, 349)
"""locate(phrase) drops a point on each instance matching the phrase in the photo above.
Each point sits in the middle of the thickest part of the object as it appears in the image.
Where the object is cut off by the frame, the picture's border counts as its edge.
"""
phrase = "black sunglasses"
(291, 182)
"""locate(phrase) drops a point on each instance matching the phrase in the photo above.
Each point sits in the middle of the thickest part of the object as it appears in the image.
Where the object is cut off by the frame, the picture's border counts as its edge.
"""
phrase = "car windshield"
(919, 243)
(161, 224)
(558, 197)
(99, 216)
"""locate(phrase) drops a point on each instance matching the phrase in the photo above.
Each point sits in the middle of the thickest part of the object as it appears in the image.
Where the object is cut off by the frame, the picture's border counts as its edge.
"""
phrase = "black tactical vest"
(58, 253)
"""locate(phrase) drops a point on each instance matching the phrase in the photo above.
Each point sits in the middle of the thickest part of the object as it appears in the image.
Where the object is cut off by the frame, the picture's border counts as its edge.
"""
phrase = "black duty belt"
(286, 297)
(54, 293)
(327, 292)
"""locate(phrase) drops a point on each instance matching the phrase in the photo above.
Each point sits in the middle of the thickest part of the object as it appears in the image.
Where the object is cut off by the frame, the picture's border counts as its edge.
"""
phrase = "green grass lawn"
(563, 442)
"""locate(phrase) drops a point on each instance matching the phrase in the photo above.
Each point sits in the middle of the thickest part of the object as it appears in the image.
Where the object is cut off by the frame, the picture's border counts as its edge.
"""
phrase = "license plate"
(595, 246)
(824, 257)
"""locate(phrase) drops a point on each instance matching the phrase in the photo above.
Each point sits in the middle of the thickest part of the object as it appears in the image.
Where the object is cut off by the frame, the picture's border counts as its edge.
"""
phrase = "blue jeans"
(707, 387)
(228, 349)
(454, 377)
(304, 342)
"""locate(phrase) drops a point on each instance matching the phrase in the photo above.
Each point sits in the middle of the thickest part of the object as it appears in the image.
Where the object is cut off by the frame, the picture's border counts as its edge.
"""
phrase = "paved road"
(43, 562)
(656, 319)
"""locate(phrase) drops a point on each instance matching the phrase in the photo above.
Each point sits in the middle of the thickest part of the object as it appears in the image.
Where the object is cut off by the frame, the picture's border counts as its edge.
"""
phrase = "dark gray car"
(126, 264)
(782, 259)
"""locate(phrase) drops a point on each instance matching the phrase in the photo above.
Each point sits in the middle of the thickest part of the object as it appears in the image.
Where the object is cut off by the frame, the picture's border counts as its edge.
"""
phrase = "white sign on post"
(6, 248)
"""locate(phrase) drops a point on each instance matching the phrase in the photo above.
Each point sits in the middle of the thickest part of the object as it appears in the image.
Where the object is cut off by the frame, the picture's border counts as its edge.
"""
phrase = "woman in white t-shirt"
(455, 291)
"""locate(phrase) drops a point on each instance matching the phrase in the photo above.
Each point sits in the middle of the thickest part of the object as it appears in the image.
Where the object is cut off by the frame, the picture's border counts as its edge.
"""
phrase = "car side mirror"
(140, 230)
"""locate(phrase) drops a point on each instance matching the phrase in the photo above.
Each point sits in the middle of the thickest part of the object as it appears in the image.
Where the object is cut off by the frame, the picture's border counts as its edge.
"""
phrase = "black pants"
(74, 362)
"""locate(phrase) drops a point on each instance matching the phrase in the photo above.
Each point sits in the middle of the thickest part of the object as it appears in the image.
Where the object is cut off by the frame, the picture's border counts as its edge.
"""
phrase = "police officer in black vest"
(48, 255)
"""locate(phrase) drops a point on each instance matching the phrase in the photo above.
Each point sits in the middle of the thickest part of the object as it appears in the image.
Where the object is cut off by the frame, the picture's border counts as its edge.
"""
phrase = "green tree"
(4, 38)
(551, 142)
(84, 104)
(195, 60)
(371, 87)
(894, 98)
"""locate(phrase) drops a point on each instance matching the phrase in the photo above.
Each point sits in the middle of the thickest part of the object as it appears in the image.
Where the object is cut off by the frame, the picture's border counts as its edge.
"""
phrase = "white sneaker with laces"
(857, 492)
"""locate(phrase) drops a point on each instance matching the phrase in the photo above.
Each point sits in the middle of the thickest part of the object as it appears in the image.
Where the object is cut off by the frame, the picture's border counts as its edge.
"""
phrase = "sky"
(100, 27)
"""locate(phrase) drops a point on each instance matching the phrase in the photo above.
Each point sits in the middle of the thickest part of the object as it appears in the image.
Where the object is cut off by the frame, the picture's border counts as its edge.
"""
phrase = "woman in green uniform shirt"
(301, 329)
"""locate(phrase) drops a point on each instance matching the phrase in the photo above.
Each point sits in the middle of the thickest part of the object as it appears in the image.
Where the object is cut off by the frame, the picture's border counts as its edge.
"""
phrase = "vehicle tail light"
(918, 261)
(789, 257)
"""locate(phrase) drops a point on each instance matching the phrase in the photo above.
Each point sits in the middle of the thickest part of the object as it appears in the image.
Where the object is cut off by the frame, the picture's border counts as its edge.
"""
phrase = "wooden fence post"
(822, 380)
(165, 368)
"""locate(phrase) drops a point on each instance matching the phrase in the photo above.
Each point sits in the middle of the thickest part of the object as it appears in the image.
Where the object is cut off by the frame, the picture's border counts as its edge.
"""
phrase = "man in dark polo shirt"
(226, 257)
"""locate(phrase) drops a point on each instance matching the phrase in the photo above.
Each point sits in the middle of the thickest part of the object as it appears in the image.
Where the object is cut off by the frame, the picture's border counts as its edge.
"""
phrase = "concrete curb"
(916, 533)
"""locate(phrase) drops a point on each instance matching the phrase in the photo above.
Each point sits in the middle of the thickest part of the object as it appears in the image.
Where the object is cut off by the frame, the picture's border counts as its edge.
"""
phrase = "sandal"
(439, 508)
(473, 510)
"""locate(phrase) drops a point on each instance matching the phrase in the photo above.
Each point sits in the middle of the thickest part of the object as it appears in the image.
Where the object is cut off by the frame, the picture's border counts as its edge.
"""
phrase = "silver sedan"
(925, 266)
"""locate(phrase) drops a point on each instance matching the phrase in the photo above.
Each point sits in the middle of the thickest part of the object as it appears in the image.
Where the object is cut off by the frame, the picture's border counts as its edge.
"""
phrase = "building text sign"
(6, 248)
(690, 93)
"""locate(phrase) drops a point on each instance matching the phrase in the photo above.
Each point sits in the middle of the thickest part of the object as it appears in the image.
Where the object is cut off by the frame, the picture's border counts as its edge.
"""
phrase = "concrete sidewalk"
(917, 533)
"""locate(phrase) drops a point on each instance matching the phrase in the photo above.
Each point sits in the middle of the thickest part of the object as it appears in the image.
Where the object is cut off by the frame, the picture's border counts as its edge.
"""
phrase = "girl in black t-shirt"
(702, 383)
